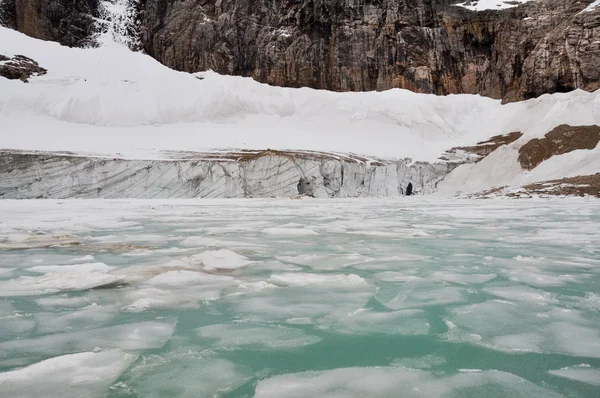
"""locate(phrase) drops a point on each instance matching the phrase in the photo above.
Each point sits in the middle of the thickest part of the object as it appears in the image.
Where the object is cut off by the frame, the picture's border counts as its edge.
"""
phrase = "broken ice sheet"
(83, 374)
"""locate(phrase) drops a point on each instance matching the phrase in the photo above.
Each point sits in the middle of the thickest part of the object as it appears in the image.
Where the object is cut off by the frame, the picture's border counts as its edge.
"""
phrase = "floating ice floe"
(249, 335)
(54, 282)
(76, 375)
(128, 336)
(303, 279)
(221, 260)
(583, 373)
(393, 382)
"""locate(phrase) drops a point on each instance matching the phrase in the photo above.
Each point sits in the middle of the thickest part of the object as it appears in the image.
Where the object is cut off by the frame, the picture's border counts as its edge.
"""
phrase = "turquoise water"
(300, 298)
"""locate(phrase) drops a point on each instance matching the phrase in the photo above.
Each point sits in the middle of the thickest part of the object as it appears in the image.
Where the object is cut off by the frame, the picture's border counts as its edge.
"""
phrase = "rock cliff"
(429, 46)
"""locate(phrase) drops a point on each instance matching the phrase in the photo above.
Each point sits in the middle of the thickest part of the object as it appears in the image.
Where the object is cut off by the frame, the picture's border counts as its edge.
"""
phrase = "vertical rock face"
(48, 175)
(69, 22)
(429, 46)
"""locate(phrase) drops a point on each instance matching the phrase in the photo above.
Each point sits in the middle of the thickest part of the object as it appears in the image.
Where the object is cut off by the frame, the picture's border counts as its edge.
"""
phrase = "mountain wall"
(428, 46)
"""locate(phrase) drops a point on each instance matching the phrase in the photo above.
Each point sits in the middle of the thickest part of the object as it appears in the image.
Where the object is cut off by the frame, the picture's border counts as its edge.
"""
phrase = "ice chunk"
(510, 327)
(187, 376)
(402, 322)
(424, 362)
(88, 374)
(394, 382)
(328, 262)
(221, 259)
(4, 271)
(256, 336)
(583, 373)
(311, 301)
(419, 293)
(129, 336)
(16, 325)
(54, 282)
(87, 267)
(521, 293)
(287, 232)
(204, 241)
(395, 276)
(62, 301)
(463, 279)
(183, 278)
(256, 286)
(89, 317)
(6, 308)
(303, 279)
(183, 297)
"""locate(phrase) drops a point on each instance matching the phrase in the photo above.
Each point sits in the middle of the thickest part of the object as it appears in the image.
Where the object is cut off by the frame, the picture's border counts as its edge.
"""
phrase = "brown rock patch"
(562, 139)
(483, 148)
(575, 186)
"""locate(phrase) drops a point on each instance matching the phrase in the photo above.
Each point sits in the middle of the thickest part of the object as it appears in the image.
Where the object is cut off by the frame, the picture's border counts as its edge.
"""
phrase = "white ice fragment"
(256, 286)
(129, 336)
(221, 260)
(87, 267)
(256, 336)
(303, 279)
(187, 375)
(580, 373)
(68, 376)
(396, 382)
(289, 232)
(402, 322)
(463, 279)
(184, 278)
(54, 282)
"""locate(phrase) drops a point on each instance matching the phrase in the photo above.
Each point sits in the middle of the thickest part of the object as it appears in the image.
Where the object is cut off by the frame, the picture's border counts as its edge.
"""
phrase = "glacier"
(226, 175)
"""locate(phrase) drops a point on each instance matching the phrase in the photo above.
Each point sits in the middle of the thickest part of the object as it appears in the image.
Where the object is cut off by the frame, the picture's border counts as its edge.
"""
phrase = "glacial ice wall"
(231, 175)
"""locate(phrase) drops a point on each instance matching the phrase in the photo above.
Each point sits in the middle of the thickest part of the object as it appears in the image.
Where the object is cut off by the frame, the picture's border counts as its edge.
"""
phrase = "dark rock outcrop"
(428, 46)
(19, 67)
(69, 22)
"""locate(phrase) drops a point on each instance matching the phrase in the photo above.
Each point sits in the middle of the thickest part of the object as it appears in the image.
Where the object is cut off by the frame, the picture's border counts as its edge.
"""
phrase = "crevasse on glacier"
(51, 175)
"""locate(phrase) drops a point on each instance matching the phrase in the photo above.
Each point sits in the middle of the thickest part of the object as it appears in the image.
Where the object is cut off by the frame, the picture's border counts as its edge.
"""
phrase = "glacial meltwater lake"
(413, 297)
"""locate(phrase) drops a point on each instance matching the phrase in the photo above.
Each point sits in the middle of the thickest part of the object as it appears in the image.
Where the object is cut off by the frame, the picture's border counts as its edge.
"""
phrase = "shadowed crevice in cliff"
(562, 139)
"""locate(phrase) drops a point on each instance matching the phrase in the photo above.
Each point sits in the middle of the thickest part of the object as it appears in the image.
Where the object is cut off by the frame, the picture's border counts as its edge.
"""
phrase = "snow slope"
(110, 100)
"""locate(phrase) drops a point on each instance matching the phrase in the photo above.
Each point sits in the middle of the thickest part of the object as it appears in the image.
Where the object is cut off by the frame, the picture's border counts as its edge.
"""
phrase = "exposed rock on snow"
(264, 174)
(19, 67)
(562, 139)
(586, 185)
(475, 153)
